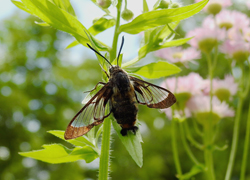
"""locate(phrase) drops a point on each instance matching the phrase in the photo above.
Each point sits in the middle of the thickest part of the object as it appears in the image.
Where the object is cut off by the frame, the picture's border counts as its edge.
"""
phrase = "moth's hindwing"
(152, 95)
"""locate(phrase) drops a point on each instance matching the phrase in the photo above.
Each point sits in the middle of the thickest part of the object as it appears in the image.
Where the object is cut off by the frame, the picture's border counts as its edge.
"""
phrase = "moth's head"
(114, 68)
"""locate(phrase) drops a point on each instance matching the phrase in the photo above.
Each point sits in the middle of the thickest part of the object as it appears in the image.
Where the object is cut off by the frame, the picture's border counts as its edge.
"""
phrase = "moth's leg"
(95, 87)
(134, 129)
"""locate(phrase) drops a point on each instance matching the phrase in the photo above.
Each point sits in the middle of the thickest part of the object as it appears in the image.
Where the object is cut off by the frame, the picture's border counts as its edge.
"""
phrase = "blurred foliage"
(39, 93)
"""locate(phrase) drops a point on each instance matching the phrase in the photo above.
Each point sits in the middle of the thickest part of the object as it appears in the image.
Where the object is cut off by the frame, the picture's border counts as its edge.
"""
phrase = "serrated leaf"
(161, 17)
(157, 70)
(80, 141)
(60, 19)
(132, 143)
(57, 153)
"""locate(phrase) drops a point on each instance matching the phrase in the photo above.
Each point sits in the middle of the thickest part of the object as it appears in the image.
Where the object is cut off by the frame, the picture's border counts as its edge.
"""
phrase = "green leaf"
(42, 23)
(101, 25)
(57, 153)
(65, 5)
(194, 170)
(145, 6)
(167, 30)
(80, 141)
(143, 51)
(153, 38)
(60, 19)
(20, 5)
(94, 45)
(157, 70)
(172, 43)
(132, 143)
(161, 17)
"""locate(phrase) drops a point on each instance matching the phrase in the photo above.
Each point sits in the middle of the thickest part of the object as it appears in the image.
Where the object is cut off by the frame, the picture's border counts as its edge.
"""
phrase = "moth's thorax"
(115, 69)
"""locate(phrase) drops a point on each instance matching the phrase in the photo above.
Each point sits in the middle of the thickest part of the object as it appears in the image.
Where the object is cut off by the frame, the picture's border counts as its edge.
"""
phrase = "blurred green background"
(41, 91)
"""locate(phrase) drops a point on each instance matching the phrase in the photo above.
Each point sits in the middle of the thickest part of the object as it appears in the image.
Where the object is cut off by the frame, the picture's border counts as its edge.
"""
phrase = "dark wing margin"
(152, 95)
(92, 114)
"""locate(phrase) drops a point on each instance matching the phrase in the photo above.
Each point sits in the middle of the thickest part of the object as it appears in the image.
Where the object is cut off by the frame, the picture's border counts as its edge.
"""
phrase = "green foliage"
(156, 70)
(158, 26)
(161, 17)
(61, 20)
(80, 141)
(57, 153)
(132, 144)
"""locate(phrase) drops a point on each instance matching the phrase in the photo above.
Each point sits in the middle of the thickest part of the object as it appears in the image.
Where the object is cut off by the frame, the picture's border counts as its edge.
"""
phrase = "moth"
(119, 96)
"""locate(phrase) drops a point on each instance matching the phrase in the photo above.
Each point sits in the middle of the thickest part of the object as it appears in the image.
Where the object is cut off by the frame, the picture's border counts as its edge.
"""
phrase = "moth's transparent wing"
(92, 114)
(152, 95)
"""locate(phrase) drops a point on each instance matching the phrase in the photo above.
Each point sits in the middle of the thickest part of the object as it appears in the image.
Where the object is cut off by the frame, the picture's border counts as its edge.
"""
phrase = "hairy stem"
(105, 155)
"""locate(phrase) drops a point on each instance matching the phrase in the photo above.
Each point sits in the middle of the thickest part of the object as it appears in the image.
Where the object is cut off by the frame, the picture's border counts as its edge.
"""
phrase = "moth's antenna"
(120, 50)
(99, 54)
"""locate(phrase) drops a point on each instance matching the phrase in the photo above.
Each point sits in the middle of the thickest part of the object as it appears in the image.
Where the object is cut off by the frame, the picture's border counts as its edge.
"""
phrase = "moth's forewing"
(152, 95)
(92, 114)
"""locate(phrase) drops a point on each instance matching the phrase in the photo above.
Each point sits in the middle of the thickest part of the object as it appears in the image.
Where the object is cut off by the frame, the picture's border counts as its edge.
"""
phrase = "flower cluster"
(178, 54)
(193, 95)
(215, 6)
(228, 29)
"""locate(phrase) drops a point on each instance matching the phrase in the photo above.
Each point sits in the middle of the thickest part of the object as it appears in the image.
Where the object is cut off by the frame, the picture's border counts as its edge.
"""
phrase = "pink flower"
(227, 83)
(206, 38)
(239, 50)
(236, 34)
(224, 88)
(246, 34)
(216, 5)
(192, 84)
(178, 54)
(201, 104)
(177, 113)
(228, 19)
(248, 4)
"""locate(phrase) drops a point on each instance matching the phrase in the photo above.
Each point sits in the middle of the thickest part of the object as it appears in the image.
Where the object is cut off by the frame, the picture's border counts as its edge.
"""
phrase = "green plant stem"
(247, 136)
(116, 33)
(186, 146)
(190, 137)
(235, 139)
(208, 129)
(175, 147)
(208, 156)
(236, 128)
(246, 148)
(196, 128)
(105, 156)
